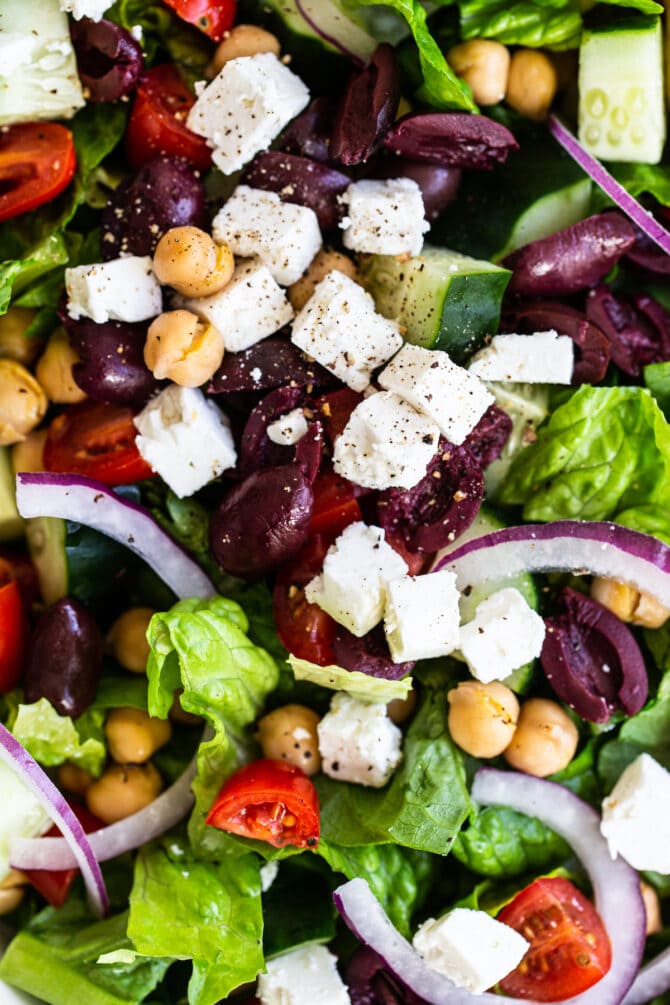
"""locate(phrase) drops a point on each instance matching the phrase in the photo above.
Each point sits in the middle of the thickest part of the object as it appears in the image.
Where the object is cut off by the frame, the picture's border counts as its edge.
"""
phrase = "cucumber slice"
(621, 91)
(441, 299)
(45, 536)
(547, 215)
(528, 406)
(11, 524)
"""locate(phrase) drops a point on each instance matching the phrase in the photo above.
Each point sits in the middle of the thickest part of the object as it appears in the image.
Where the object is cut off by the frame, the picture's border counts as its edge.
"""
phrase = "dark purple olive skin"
(367, 109)
(646, 254)
(65, 658)
(570, 260)
(262, 522)
(592, 348)
(451, 139)
(660, 319)
(439, 185)
(272, 362)
(256, 448)
(309, 450)
(370, 983)
(309, 133)
(112, 367)
(591, 659)
(109, 59)
(368, 654)
(633, 340)
(302, 181)
(487, 440)
(165, 193)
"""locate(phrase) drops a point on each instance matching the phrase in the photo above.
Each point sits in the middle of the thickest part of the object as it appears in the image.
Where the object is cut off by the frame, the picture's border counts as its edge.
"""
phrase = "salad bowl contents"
(334, 495)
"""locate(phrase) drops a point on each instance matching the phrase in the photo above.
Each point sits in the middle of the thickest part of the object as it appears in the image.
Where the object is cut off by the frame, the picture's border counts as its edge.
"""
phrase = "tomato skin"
(54, 884)
(156, 124)
(37, 161)
(570, 950)
(305, 630)
(13, 636)
(211, 17)
(271, 801)
(335, 505)
(98, 441)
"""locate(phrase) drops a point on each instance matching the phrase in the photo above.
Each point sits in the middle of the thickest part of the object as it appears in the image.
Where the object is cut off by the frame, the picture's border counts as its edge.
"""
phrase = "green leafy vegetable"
(163, 33)
(298, 908)
(52, 738)
(554, 24)
(501, 842)
(360, 685)
(637, 179)
(657, 379)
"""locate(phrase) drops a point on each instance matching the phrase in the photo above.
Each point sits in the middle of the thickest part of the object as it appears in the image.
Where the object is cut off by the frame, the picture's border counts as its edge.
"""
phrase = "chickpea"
(484, 66)
(532, 83)
(649, 613)
(23, 403)
(10, 898)
(323, 263)
(482, 717)
(122, 790)
(180, 715)
(54, 370)
(189, 260)
(182, 348)
(628, 603)
(72, 778)
(127, 639)
(28, 455)
(400, 709)
(652, 907)
(14, 343)
(133, 735)
(289, 734)
(545, 740)
(242, 40)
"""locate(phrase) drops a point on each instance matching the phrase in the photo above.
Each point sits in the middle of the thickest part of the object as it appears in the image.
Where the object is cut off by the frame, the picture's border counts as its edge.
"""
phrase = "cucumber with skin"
(11, 524)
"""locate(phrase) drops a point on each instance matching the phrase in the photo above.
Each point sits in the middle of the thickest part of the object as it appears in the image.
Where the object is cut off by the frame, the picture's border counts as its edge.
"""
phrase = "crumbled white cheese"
(504, 634)
(542, 358)
(124, 289)
(288, 429)
(358, 742)
(636, 816)
(94, 9)
(301, 977)
(268, 873)
(23, 815)
(384, 217)
(421, 618)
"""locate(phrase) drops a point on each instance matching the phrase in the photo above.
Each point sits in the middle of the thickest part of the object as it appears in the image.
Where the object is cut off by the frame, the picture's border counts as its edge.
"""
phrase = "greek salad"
(334, 502)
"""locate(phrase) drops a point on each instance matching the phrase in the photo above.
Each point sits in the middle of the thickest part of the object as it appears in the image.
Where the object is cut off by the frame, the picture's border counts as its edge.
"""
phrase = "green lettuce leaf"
(552, 24)
(209, 912)
(657, 379)
(363, 686)
(52, 738)
(163, 30)
(501, 842)
(637, 179)
(298, 908)
(647, 731)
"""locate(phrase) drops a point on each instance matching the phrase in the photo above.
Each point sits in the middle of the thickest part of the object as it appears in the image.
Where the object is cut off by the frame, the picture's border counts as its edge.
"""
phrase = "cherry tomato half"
(212, 17)
(271, 801)
(13, 636)
(98, 441)
(335, 505)
(54, 884)
(569, 947)
(37, 161)
(305, 630)
(156, 124)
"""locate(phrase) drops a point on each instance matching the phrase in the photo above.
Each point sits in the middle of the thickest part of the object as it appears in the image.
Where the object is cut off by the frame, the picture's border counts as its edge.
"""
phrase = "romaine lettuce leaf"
(552, 24)
(298, 907)
(163, 30)
(502, 842)
(52, 738)
(359, 685)
(657, 379)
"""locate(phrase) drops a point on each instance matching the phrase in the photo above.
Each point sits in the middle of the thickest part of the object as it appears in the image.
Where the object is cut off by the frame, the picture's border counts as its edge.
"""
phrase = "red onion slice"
(86, 501)
(580, 546)
(652, 981)
(610, 186)
(323, 20)
(15, 756)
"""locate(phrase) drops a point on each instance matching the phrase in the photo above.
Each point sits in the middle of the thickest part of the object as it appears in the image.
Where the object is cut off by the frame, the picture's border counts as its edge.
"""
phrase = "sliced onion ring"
(16, 757)
(651, 982)
(581, 547)
(322, 17)
(72, 497)
(615, 884)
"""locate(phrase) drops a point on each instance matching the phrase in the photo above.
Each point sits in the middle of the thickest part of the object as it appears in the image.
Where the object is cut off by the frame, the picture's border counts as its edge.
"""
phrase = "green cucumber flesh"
(11, 524)
(45, 536)
(551, 213)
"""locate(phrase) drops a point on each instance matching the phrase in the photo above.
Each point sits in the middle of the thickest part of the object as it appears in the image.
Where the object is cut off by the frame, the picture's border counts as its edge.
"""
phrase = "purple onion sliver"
(652, 981)
(304, 10)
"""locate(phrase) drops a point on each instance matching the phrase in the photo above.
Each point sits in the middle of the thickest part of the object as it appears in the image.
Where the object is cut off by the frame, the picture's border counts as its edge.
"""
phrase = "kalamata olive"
(65, 658)
(633, 340)
(367, 108)
(368, 654)
(487, 439)
(262, 522)
(647, 255)
(256, 448)
(309, 450)
(439, 185)
(370, 983)
(592, 349)
(112, 367)
(660, 318)
(591, 659)
(572, 259)
(109, 59)
(164, 193)
(273, 362)
(452, 139)
(300, 180)
(309, 133)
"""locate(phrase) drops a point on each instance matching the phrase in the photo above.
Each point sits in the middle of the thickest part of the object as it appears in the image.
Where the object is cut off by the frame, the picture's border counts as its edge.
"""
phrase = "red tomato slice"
(271, 801)
(569, 947)
(37, 161)
(98, 441)
(335, 505)
(156, 124)
(213, 18)
(15, 565)
(54, 884)
(13, 636)
(305, 630)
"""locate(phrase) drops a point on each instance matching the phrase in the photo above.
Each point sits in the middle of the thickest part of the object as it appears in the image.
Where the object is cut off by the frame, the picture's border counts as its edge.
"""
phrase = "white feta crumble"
(185, 438)
(245, 107)
(386, 443)
(541, 358)
(268, 873)
(454, 398)
(285, 237)
(288, 429)
(504, 634)
(16, 50)
(352, 584)
(124, 289)
(470, 947)
(23, 815)
(422, 617)
(384, 217)
(358, 742)
(340, 328)
(85, 8)
(636, 816)
(308, 974)
(247, 310)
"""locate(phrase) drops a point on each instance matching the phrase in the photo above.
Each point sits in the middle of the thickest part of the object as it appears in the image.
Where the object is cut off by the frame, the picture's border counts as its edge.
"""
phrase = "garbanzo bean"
(10, 898)
(72, 778)
(322, 263)
(482, 717)
(189, 260)
(182, 348)
(628, 603)
(289, 734)
(127, 639)
(133, 735)
(652, 907)
(400, 709)
(545, 739)
(28, 455)
(484, 66)
(54, 370)
(23, 403)
(122, 790)
(14, 343)
(242, 40)
(532, 83)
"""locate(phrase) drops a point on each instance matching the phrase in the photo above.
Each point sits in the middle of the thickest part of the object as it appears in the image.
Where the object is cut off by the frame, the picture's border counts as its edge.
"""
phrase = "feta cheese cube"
(268, 873)
(23, 816)
(427, 378)
(85, 8)
(636, 816)
(352, 585)
(284, 236)
(470, 947)
(504, 634)
(386, 443)
(340, 328)
(247, 310)
(288, 429)
(308, 974)
(185, 438)
(358, 742)
(124, 289)
(384, 217)
(542, 358)
(422, 617)
(245, 107)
